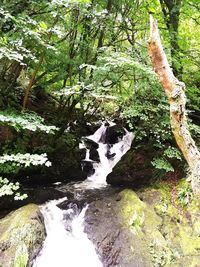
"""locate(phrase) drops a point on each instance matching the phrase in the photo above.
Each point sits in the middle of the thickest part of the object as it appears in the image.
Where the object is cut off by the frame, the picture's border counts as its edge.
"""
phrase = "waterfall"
(66, 244)
(106, 164)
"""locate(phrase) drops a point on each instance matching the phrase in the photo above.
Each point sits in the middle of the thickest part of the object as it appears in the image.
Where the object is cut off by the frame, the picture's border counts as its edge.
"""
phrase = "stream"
(66, 243)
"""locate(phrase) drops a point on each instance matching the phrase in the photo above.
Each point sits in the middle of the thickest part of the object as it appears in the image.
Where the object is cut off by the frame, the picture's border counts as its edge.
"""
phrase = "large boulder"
(115, 243)
(147, 228)
(133, 169)
(21, 235)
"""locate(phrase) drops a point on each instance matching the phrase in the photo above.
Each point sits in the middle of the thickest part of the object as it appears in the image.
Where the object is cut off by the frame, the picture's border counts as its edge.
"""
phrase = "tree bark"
(175, 91)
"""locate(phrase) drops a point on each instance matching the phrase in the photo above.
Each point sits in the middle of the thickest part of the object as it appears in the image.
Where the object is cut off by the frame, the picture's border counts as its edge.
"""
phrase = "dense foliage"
(65, 63)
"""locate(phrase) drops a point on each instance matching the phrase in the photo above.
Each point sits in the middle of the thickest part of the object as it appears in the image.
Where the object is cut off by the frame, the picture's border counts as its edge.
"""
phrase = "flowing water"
(66, 244)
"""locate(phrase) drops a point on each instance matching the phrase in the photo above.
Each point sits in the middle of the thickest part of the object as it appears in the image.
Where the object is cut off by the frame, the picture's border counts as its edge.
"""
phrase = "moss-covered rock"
(169, 230)
(153, 227)
(116, 243)
(21, 235)
(144, 225)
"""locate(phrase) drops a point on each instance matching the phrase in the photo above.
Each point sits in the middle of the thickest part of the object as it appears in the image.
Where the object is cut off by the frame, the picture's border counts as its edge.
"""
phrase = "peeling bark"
(175, 91)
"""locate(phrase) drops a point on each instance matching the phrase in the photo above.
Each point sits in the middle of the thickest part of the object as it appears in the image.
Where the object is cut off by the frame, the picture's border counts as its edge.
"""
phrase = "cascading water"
(66, 243)
(106, 164)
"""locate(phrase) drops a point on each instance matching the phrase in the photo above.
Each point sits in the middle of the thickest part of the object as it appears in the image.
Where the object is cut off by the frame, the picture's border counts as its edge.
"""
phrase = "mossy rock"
(167, 233)
(21, 235)
(144, 225)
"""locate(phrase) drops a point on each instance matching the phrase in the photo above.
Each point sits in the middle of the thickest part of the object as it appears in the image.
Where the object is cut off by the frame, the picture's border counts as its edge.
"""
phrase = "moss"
(144, 224)
(21, 257)
(162, 256)
(167, 231)
(133, 209)
(188, 261)
(21, 235)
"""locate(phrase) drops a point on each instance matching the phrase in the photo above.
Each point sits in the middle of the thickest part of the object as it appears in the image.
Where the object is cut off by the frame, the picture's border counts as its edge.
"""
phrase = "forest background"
(67, 65)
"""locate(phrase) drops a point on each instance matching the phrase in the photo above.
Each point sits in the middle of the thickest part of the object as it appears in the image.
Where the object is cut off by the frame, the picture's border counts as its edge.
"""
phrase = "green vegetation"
(64, 64)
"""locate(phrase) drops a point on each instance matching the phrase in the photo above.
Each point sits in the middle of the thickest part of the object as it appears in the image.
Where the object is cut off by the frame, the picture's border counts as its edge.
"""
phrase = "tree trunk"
(31, 82)
(175, 91)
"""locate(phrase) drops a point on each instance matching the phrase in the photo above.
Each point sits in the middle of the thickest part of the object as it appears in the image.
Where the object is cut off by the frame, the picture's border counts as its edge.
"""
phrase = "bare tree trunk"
(175, 91)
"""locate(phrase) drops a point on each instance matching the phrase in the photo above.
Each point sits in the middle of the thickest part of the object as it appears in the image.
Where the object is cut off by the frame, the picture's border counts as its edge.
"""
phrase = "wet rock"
(134, 169)
(21, 235)
(35, 195)
(41, 195)
(114, 134)
(106, 124)
(114, 241)
(94, 155)
(87, 167)
(146, 229)
(92, 146)
(83, 153)
(90, 143)
(109, 155)
(76, 205)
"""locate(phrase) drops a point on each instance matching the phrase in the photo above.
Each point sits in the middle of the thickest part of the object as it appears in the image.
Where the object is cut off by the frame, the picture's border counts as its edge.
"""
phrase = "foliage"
(29, 121)
(172, 152)
(23, 160)
(12, 164)
(9, 188)
(185, 194)
(164, 161)
(195, 130)
(194, 98)
(160, 163)
(80, 61)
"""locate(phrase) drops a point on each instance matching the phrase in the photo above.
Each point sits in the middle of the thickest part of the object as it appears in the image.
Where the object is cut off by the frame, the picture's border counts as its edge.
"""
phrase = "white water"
(66, 244)
(64, 248)
(102, 169)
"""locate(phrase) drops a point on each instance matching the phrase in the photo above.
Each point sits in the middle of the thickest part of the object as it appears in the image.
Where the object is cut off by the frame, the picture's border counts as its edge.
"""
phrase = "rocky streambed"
(158, 225)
